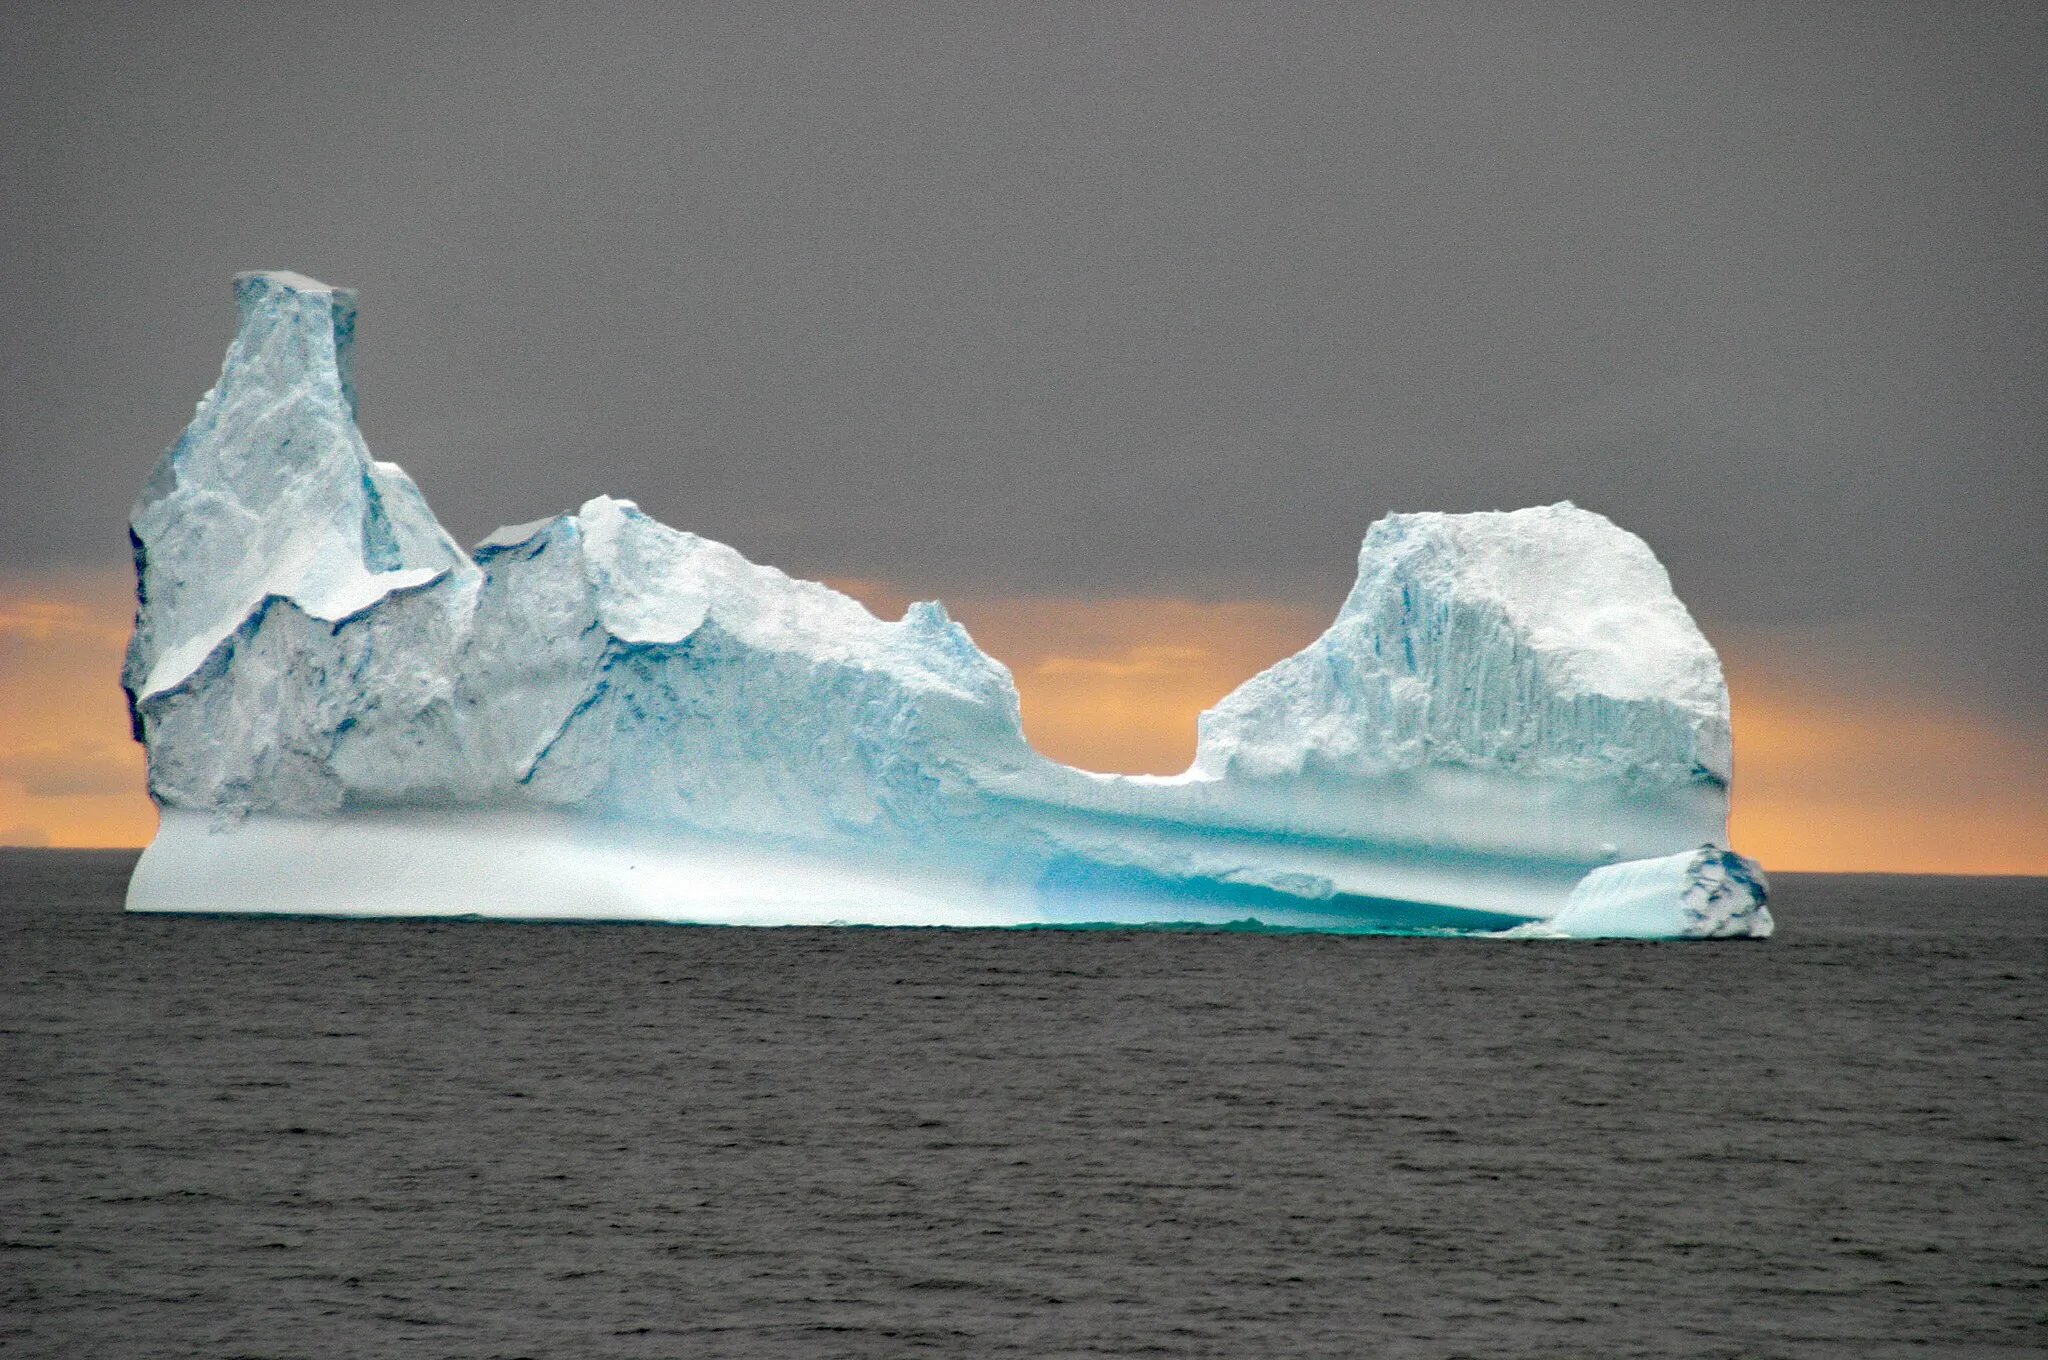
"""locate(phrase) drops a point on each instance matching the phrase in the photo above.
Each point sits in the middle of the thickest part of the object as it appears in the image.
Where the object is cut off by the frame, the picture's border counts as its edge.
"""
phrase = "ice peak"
(287, 279)
(271, 491)
(1590, 599)
(304, 331)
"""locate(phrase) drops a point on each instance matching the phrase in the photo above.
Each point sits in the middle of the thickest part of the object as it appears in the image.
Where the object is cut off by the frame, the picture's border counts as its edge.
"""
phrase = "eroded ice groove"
(347, 713)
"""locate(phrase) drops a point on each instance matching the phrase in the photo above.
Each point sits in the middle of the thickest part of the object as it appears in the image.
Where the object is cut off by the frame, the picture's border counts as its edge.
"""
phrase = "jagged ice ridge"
(1512, 722)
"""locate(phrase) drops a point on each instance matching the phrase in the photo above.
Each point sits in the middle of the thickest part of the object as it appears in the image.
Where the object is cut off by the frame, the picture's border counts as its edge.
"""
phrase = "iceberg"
(1704, 894)
(1512, 725)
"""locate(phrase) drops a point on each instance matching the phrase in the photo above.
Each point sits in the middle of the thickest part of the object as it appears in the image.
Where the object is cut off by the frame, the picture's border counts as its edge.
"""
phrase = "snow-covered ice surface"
(598, 716)
(1703, 894)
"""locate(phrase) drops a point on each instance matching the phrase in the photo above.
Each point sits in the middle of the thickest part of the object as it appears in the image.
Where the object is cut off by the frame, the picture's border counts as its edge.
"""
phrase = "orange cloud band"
(69, 772)
(1825, 780)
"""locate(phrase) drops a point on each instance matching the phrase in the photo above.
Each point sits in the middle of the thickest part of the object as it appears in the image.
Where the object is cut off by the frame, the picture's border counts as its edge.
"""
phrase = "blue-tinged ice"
(1512, 723)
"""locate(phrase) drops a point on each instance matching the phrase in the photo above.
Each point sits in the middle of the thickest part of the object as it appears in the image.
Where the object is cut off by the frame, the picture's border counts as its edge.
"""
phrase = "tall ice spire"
(271, 491)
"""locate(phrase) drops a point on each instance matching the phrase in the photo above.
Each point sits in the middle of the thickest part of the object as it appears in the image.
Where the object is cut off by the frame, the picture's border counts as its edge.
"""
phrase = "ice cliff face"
(618, 667)
(1505, 702)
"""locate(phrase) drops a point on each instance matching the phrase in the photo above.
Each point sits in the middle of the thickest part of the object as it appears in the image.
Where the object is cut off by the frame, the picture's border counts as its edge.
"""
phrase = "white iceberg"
(598, 716)
(1705, 894)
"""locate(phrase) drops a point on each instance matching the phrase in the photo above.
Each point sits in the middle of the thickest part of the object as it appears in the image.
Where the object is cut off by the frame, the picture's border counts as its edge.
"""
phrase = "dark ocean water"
(277, 1137)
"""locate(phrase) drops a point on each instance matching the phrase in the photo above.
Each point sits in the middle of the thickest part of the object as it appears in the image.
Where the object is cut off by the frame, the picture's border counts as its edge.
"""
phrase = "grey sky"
(1092, 299)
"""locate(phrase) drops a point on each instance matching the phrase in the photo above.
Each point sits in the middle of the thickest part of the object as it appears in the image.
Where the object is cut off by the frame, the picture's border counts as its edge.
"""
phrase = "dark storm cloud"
(1092, 299)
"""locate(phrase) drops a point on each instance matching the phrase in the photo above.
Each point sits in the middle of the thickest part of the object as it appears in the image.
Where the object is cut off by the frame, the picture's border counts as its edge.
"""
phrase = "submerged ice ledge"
(598, 716)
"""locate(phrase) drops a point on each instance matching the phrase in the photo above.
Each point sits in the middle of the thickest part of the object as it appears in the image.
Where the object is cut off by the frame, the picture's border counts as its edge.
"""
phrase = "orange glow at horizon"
(70, 774)
(1116, 685)
(1898, 783)
(1827, 778)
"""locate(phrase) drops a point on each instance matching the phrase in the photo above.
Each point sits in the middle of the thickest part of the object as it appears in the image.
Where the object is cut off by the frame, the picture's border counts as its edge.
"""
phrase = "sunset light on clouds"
(70, 774)
(1829, 777)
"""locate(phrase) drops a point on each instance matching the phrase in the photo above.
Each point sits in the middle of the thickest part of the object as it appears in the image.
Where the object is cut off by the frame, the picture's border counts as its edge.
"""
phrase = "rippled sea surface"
(288, 1137)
